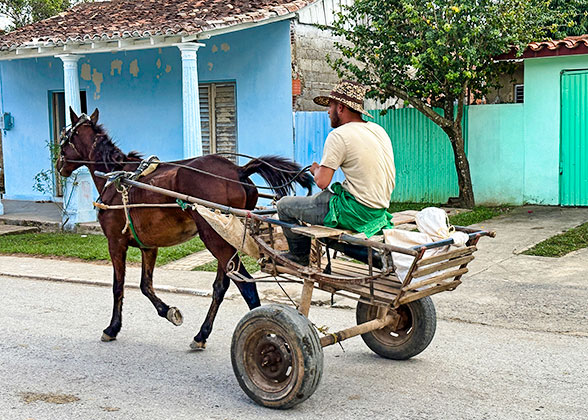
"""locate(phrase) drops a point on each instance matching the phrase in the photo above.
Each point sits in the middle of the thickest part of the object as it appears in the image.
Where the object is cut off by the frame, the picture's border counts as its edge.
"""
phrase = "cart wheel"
(277, 356)
(413, 334)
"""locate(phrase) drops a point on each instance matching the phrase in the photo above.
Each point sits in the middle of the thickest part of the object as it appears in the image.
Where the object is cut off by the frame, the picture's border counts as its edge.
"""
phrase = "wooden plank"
(317, 231)
(412, 296)
(451, 254)
(436, 279)
(442, 266)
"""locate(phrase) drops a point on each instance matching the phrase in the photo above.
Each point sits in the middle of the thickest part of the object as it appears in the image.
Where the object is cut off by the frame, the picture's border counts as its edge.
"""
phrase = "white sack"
(231, 230)
(433, 226)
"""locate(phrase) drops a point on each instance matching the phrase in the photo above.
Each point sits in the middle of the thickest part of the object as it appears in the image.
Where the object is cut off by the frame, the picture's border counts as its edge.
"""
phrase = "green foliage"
(430, 52)
(573, 18)
(560, 245)
(86, 247)
(43, 180)
(23, 12)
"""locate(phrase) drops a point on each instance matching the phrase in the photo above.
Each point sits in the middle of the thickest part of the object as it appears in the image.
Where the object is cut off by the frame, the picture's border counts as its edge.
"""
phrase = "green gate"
(573, 167)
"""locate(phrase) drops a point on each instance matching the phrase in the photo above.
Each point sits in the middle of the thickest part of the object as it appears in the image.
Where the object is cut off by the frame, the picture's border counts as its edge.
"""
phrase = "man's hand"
(322, 175)
(314, 167)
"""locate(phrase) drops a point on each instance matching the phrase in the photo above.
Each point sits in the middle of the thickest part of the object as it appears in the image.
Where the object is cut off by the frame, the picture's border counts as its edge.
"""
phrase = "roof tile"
(109, 19)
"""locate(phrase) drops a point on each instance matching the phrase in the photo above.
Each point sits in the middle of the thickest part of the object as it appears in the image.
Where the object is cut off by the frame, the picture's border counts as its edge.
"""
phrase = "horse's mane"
(108, 153)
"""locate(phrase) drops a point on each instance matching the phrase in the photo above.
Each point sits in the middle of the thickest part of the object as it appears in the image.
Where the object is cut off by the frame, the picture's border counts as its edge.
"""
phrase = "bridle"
(67, 134)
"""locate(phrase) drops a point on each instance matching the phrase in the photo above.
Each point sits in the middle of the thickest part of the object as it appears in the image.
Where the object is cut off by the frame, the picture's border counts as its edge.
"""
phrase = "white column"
(192, 132)
(71, 84)
(77, 197)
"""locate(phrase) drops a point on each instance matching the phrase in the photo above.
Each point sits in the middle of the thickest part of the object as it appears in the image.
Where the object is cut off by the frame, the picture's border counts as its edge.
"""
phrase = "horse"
(210, 177)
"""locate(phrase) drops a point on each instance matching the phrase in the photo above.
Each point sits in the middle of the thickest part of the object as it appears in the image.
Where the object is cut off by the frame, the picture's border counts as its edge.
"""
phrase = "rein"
(297, 173)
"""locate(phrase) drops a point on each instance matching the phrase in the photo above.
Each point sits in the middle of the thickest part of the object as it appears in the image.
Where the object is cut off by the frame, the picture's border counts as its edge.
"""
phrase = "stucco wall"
(496, 152)
(542, 125)
(138, 94)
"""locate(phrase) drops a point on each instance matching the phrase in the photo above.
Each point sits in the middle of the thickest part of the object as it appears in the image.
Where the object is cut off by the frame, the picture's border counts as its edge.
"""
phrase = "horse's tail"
(280, 173)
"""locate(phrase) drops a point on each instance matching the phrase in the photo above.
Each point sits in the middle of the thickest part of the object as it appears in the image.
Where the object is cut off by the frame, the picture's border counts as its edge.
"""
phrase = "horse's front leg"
(172, 314)
(219, 288)
(118, 255)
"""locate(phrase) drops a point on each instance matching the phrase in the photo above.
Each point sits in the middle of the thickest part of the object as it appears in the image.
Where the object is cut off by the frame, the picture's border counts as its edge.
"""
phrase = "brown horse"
(215, 179)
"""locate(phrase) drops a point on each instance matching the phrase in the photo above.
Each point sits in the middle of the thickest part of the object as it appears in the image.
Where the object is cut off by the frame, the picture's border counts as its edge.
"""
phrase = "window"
(58, 110)
(218, 118)
(519, 94)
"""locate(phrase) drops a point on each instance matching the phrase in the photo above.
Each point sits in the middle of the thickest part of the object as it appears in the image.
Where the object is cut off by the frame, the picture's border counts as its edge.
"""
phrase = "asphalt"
(503, 287)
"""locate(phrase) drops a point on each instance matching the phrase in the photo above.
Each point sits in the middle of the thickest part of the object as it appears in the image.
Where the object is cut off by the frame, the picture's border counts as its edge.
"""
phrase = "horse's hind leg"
(219, 288)
(118, 255)
(172, 314)
(248, 289)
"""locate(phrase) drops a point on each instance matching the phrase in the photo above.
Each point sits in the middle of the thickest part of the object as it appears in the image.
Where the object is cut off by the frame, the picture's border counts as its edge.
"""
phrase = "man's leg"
(311, 210)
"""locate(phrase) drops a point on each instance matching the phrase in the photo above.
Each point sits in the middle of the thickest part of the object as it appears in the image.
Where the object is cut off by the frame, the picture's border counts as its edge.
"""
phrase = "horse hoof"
(195, 345)
(175, 316)
(107, 338)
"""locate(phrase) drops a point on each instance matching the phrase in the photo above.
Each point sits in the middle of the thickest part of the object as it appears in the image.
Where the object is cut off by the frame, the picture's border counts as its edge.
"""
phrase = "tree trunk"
(462, 167)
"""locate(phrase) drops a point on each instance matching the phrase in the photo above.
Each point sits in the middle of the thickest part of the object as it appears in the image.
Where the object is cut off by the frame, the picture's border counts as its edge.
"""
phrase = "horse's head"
(76, 142)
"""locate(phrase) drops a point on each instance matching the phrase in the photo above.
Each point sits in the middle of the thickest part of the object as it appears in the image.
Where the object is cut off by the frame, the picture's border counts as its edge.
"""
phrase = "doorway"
(57, 112)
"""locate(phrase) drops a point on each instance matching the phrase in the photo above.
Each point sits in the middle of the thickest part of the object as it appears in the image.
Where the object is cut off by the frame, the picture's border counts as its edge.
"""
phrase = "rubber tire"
(417, 333)
(305, 349)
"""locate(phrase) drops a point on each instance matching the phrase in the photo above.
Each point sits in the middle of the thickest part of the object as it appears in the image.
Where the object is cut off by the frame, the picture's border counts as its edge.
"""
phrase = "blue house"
(176, 79)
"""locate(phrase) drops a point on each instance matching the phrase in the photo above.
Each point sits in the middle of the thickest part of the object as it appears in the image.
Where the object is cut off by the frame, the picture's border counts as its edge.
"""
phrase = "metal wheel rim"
(272, 370)
(392, 337)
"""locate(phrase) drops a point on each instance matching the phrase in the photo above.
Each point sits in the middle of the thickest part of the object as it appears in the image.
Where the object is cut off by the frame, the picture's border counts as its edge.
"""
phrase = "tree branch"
(419, 105)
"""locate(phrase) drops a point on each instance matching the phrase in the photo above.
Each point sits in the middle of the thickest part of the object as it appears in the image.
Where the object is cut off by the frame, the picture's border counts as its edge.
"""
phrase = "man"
(363, 151)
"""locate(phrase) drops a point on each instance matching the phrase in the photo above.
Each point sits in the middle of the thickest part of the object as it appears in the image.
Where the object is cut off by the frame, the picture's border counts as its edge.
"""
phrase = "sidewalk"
(501, 287)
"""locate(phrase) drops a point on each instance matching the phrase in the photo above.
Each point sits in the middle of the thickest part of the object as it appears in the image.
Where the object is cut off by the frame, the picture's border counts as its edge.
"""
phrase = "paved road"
(50, 348)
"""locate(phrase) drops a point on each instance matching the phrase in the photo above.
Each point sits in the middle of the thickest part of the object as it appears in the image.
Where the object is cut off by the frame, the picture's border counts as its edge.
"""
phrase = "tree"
(574, 13)
(23, 12)
(431, 53)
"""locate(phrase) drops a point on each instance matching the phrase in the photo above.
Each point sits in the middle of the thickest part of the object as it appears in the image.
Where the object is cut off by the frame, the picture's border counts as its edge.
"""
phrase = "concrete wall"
(542, 125)
(139, 93)
(496, 153)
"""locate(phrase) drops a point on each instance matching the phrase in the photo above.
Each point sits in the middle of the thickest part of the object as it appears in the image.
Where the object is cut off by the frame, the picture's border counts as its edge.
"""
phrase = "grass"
(249, 263)
(95, 247)
(562, 244)
(85, 247)
(476, 215)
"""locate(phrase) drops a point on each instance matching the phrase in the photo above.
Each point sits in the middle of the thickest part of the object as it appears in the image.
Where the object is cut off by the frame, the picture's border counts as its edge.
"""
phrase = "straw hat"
(350, 94)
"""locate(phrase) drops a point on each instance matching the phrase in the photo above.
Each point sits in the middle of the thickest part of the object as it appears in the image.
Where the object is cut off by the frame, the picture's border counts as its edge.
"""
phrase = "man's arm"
(322, 175)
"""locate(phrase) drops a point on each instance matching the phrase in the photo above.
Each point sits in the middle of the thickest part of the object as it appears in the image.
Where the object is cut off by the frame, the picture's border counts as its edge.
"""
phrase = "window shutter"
(218, 118)
(205, 117)
(226, 119)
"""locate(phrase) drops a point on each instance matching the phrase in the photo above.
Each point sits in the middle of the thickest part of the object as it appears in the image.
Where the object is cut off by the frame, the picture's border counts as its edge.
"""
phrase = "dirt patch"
(31, 397)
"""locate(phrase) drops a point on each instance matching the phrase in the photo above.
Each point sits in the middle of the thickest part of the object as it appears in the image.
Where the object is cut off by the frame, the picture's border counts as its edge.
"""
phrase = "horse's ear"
(73, 117)
(94, 116)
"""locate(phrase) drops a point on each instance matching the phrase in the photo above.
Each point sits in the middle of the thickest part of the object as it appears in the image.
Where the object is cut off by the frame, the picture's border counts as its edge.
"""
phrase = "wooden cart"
(276, 352)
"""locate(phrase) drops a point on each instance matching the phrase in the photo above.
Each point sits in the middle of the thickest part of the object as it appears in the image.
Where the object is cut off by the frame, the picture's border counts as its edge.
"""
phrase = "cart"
(276, 352)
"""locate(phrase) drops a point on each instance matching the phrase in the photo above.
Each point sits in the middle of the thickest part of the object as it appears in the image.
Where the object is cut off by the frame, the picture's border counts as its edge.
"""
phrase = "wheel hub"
(273, 357)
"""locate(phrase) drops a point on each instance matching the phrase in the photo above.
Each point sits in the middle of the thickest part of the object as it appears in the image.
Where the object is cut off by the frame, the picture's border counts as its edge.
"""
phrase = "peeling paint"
(214, 48)
(167, 68)
(210, 66)
(158, 63)
(134, 68)
(86, 71)
(115, 65)
(225, 47)
(159, 50)
(50, 64)
(97, 79)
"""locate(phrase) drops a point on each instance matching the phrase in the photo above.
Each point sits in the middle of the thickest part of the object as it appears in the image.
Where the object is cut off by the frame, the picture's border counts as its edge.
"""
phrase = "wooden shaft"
(373, 325)
(306, 298)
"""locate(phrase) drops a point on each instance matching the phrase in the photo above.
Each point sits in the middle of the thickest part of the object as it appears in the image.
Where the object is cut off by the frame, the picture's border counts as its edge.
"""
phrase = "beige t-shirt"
(363, 151)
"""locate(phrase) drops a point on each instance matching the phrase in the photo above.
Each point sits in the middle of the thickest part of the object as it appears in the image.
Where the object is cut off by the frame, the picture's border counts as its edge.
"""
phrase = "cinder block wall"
(310, 47)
